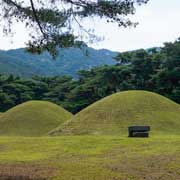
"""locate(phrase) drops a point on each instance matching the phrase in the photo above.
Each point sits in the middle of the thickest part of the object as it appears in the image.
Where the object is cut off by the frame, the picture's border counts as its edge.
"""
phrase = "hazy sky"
(158, 23)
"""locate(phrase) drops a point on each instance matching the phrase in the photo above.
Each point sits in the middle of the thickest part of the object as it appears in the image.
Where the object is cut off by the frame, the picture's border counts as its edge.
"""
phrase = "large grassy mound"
(33, 118)
(113, 114)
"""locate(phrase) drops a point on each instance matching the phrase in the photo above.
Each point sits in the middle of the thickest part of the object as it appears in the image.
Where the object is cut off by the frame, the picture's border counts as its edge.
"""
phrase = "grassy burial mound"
(113, 114)
(33, 118)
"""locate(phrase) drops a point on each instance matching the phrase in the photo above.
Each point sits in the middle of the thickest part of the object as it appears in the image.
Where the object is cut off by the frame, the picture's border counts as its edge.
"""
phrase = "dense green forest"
(156, 69)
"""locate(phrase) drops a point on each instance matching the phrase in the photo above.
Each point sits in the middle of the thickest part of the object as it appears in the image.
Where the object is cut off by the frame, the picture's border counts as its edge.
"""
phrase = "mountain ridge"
(68, 62)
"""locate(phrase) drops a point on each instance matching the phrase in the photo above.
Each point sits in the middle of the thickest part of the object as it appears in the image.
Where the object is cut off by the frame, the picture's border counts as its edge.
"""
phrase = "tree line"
(156, 69)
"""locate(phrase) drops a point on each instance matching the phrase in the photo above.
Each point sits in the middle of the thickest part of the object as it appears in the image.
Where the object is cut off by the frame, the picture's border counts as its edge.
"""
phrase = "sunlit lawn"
(97, 157)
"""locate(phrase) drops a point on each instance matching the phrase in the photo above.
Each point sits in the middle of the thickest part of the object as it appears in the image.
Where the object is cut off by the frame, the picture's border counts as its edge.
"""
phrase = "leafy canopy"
(54, 20)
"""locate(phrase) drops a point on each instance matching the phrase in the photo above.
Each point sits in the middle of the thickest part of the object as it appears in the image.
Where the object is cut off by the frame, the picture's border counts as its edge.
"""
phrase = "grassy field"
(113, 114)
(102, 150)
(90, 158)
(33, 118)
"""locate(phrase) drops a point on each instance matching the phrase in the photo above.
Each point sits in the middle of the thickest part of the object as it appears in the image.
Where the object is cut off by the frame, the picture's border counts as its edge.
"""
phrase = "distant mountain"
(69, 61)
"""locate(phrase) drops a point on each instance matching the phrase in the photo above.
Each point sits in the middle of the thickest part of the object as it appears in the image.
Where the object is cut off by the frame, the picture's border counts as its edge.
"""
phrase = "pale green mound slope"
(33, 118)
(113, 114)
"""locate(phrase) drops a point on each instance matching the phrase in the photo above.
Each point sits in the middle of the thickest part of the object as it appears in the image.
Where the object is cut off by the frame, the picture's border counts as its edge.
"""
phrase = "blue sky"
(158, 23)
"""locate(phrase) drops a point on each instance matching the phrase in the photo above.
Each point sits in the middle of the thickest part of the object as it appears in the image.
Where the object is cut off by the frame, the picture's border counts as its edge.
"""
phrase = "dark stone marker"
(139, 131)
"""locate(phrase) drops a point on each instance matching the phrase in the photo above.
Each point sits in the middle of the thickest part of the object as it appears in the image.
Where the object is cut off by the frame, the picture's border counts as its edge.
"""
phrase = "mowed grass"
(33, 118)
(102, 151)
(113, 114)
(96, 157)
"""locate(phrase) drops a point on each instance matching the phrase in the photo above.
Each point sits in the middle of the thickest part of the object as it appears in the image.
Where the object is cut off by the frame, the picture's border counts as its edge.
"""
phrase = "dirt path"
(25, 172)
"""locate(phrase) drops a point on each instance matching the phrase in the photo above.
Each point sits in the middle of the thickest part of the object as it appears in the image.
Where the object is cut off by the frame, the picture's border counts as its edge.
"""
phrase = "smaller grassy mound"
(33, 118)
(112, 115)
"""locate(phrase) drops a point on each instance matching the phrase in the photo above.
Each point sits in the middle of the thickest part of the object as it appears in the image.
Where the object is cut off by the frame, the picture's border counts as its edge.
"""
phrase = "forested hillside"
(156, 70)
(68, 62)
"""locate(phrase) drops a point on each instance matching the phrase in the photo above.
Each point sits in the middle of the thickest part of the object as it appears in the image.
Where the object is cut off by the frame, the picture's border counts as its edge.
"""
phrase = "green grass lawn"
(97, 147)
(94, 157)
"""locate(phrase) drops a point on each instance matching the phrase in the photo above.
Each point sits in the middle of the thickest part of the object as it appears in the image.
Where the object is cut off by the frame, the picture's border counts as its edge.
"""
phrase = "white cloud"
(159, 22)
